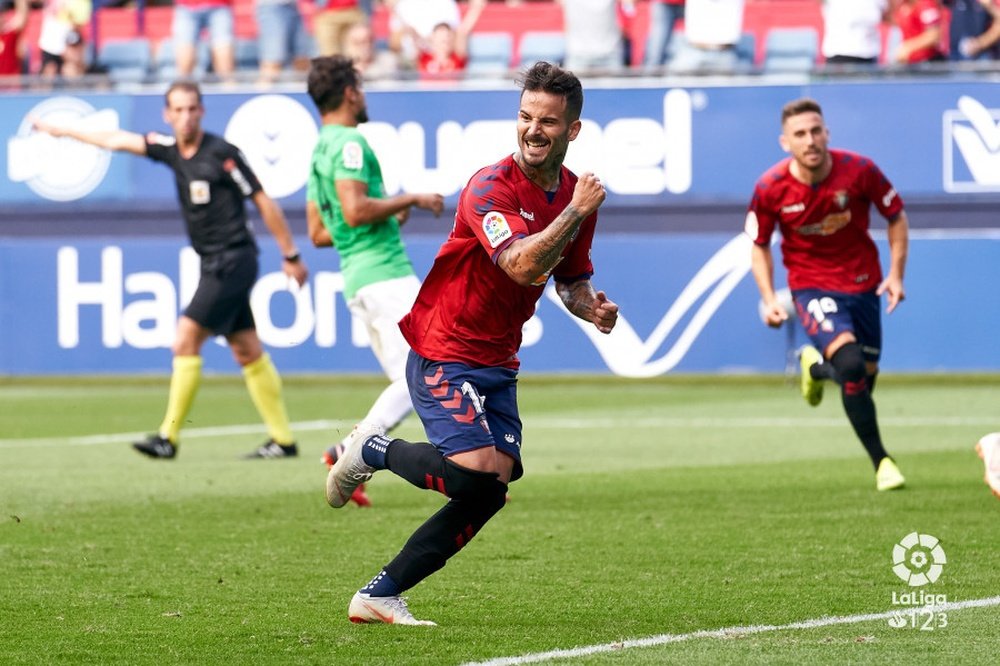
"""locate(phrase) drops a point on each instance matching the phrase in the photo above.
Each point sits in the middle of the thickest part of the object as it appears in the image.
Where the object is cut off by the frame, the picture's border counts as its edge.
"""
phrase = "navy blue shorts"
(827, 314)
(465, 408)
(221, 303)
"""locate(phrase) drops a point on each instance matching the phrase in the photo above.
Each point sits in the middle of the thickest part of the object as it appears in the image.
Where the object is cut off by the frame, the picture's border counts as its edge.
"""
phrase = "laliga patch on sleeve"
(496, 228)
(751, 225)
(353, 155)
(160, 139)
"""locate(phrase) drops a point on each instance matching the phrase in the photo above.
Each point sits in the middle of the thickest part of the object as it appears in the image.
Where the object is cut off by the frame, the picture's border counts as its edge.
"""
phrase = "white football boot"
(350, 470)
(365, 609)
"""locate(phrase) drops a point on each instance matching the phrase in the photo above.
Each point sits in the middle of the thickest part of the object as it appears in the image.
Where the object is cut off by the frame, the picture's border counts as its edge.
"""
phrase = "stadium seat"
(166, 63)
(746, 50)
(246, 54)
(127, 60)
(536, 45)
(490, 52)
(790, 49)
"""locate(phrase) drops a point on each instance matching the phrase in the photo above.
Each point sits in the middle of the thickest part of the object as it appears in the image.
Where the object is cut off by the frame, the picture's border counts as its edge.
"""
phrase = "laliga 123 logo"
(60, 169)
(918, 560)
(971, 147)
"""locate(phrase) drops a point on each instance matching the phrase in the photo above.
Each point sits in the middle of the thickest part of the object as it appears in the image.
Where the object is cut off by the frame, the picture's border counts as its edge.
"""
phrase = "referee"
(213, 179)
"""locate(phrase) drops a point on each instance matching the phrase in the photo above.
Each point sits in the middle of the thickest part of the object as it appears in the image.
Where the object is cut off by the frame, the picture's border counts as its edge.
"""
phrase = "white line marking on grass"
(189, 433)
(729, 632)
(555, 423)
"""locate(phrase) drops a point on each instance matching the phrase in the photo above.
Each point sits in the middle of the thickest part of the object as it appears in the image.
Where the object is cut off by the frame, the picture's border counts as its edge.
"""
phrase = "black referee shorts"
(222, 301)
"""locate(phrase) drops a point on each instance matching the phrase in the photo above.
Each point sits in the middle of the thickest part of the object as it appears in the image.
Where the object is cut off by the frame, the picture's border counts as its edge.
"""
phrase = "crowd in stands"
(445, 39)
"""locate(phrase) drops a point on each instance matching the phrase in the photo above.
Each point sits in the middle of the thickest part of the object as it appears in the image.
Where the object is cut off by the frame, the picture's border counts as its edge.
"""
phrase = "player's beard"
(362, 115)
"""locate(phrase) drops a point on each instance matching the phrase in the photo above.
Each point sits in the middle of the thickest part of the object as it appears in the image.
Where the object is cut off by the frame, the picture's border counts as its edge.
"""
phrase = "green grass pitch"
(649, 508)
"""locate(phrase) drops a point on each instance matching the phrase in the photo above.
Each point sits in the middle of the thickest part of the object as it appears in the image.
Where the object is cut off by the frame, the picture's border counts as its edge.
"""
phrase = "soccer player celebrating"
(518, 222)
(213, 179)
(820, 199)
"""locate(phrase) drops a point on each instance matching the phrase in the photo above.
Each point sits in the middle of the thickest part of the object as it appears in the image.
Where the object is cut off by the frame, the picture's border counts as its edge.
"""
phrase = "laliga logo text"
(918, 559)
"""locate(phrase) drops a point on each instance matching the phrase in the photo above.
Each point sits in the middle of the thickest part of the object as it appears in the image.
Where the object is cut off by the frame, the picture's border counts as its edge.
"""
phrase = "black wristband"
(293, 258)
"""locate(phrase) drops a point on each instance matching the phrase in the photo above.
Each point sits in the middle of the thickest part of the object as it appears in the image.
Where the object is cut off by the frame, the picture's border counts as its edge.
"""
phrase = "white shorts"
(380, 306)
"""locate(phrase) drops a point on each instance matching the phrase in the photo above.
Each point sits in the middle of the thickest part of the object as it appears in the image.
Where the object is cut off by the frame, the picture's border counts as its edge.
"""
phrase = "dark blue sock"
(382, 585)
(373, 450)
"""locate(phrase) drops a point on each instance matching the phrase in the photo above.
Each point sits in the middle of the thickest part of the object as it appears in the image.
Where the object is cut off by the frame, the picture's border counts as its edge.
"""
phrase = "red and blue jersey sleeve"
(489, 207)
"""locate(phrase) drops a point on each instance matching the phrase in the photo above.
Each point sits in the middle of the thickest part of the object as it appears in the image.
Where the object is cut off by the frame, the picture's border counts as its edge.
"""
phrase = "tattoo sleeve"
(578, 298)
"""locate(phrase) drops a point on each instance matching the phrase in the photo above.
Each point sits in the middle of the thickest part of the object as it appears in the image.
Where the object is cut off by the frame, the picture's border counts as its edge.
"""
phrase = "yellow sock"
(184, 384)
(264, 385)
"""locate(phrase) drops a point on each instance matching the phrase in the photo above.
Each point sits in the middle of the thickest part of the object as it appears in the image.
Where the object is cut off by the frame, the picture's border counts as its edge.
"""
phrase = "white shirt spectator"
(422, 16)
(713, 22)
(851, 28)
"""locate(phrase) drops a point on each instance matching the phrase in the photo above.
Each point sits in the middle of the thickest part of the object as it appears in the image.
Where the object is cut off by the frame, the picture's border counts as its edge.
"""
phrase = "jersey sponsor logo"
(528, 216)
(353, 155)
(60, 169)
(888, 197)
(496, 228)
(200, 192)
(828, 226)
(794, 208)
(238, 177)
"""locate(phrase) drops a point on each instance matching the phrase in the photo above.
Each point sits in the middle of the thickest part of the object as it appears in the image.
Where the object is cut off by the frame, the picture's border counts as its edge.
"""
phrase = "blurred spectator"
(974, 30)
(663, 15)
(920, 22)
(446, 51)
(331, 22)
(712, 29)
(851, 30)
(594, 38)
(372, 62)
(281, 38)
(11, 28)
(193, 16)
(61, 37)
(411, 19)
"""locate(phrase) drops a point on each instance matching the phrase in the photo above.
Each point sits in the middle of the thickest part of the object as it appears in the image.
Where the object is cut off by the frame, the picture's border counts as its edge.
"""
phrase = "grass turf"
(649, 507)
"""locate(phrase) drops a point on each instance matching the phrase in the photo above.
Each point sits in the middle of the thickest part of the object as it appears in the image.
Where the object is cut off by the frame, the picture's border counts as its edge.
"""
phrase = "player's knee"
(849, 363)
(484, 488)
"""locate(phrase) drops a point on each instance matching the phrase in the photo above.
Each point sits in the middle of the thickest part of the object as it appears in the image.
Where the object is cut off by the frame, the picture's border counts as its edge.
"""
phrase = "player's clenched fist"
(589, 194)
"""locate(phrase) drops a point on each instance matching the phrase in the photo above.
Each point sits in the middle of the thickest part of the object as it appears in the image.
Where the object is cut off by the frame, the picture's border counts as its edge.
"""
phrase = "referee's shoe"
(271, 449)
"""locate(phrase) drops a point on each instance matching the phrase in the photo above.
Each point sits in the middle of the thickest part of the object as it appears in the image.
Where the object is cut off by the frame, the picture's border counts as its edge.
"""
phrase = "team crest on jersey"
(840, 198)
(353, 155)
(496, 228)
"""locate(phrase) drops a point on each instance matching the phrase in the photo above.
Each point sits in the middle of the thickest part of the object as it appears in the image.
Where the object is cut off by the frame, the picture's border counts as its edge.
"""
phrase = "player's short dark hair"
(546, 77)
(329, 77)
(798, 106)
(186, 86)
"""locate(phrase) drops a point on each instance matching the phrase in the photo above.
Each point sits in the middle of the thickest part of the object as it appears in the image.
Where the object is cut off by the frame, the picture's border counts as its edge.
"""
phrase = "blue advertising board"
(688, 304)
(651, 145)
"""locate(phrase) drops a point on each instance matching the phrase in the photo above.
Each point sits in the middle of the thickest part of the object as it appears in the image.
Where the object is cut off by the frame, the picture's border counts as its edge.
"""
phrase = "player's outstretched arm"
(292, 265)
(121, 140)
(762, 267)
(360, 209)
(527, 260)
(899, 244)
(589, 305)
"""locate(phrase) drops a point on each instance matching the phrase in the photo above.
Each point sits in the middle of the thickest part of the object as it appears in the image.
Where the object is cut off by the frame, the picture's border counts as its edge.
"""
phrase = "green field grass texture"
(656, 507)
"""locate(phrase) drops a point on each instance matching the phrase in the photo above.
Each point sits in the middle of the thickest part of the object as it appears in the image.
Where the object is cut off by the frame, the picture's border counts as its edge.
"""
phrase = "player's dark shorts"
(464, 408)
(222, 301)
(826, 314)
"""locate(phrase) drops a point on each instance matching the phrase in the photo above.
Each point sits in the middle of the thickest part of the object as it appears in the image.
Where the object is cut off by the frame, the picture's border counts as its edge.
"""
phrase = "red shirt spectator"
(920, 22)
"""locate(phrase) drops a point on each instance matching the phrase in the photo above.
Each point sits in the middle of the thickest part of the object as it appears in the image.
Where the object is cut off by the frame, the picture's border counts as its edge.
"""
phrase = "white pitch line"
(729, 632)
(554, 423)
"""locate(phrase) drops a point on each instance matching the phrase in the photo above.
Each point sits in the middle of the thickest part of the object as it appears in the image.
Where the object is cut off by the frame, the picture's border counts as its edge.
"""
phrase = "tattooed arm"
(589, 305)
(528, 260)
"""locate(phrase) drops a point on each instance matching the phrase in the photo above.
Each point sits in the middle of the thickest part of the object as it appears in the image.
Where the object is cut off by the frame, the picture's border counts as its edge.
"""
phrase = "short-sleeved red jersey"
(469, 310)
(825, 241)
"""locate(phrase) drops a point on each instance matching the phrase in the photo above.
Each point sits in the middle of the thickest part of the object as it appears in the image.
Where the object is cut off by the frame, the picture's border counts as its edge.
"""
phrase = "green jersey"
(368, 253)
